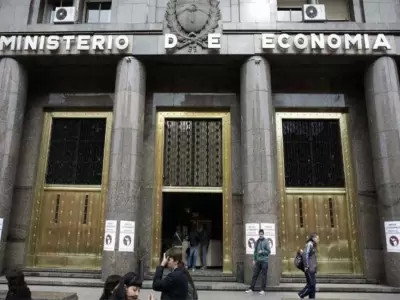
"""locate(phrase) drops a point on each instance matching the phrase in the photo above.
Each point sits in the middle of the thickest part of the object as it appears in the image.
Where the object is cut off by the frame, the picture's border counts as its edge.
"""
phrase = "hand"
(260, 251)
(164, 261)
(151, 297)
(254, 262)
(305, 269)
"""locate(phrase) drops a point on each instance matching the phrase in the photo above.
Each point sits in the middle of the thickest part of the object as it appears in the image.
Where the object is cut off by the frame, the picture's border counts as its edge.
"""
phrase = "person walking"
(194, 240)
(310, 266)
(204, 244)
(260, 262)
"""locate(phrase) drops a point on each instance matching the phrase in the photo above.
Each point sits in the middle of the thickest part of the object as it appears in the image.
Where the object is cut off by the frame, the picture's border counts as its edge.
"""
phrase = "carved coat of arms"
(192, 20)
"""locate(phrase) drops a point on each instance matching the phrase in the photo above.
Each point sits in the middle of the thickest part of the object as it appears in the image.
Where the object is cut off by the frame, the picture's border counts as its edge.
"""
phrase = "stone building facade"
(280, 91)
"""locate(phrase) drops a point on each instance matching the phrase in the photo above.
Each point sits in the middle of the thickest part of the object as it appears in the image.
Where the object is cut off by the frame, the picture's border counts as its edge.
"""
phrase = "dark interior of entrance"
(193, 211)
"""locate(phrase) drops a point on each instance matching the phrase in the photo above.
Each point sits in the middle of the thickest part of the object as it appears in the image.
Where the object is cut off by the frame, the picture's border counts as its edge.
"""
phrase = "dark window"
(76, 151)
(313, 153)
(98, 12)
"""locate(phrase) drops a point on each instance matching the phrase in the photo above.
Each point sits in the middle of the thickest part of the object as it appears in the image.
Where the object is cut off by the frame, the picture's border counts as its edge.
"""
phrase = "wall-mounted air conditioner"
(64, 15)
(314, 13)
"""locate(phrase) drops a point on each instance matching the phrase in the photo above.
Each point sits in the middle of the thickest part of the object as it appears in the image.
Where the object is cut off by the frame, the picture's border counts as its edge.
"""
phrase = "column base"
(118, 263)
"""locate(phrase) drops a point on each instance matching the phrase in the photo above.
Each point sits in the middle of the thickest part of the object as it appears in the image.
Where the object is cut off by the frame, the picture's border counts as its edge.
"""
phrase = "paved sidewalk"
(94, 294)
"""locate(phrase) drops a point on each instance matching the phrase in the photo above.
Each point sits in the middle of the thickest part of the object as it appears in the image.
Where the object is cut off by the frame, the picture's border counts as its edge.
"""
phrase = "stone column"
(382, 91)
(261, 198)
(13, 90)
(125, 159)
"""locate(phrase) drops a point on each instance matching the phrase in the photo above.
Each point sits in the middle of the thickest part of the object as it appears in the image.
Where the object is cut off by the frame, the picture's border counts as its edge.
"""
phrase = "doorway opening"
(186, 212)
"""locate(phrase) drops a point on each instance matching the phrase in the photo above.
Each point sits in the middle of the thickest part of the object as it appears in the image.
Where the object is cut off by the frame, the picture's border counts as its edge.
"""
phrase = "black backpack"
(298, 261)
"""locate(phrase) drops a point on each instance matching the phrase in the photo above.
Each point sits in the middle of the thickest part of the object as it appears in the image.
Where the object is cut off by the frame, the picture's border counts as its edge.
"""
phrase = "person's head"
(133, 284)
(174, 255)
(111, 283)
(261, 233)
(313, 237)
(178, 229)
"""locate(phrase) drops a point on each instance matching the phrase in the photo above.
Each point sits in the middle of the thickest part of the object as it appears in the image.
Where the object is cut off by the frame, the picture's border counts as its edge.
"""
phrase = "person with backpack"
(309, 266)
(262, 250)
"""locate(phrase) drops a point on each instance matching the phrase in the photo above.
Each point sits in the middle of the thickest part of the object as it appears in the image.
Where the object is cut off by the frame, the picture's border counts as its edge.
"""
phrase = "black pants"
(260, 267)
(309, 289)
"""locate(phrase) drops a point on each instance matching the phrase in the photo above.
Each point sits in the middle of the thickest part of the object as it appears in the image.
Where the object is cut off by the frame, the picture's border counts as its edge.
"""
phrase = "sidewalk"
(94, 294)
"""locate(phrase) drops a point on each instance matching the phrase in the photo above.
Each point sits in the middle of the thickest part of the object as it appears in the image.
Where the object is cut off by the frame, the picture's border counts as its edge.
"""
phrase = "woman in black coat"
(17, 287)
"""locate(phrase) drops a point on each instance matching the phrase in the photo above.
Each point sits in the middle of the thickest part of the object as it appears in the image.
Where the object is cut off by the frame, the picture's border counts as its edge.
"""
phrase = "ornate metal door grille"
(313, 153)
(76, 151)
(193, 153)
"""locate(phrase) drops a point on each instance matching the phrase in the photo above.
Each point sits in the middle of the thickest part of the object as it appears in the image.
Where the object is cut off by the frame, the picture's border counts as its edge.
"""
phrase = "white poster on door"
(392, 233)
(110, 232)
(251, 236)
(126, 236)
(270, 236)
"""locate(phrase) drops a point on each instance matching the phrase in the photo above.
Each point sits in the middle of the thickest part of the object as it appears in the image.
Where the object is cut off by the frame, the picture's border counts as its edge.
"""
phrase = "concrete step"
(219, 286)
(64, 273)
(333, 279)
(203, 275)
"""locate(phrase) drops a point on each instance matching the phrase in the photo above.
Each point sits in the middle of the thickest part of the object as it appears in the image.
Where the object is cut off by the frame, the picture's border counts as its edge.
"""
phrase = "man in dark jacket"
(310, 266)
(194, 240)
(204, 243)
(260, 262)
(175, 285)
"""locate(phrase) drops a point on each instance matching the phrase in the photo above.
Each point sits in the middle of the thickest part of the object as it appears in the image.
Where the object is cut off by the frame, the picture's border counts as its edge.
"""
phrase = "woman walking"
(310, 266)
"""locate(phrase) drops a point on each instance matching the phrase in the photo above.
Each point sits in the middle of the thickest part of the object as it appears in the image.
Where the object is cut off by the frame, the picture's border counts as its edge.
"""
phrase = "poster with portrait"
(110, 231)
(392, 233)
(126, 236)
(251, 236)
(270, 236)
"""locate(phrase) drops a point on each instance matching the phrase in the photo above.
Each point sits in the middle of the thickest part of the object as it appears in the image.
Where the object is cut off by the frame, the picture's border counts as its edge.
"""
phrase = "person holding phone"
(175, 285)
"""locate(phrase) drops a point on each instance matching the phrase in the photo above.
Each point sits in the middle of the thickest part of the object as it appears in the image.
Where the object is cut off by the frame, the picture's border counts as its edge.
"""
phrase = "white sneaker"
(262, 292)
(250, 291)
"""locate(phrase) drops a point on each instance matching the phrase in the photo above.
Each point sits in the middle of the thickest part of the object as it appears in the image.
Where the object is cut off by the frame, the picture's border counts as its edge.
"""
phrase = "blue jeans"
(309, 289)
(192, 257)
(204, 250)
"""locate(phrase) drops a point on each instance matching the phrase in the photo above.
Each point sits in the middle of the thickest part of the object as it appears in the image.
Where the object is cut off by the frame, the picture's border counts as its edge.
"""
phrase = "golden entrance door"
(317, 190)
(71, 191)
(193, 154)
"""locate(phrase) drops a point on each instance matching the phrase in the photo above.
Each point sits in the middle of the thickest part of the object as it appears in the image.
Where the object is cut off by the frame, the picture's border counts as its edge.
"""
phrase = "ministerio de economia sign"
(313, 41)
(114, 44)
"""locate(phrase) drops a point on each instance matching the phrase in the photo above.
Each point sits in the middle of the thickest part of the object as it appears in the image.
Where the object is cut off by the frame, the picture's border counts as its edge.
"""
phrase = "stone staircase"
(208, 280)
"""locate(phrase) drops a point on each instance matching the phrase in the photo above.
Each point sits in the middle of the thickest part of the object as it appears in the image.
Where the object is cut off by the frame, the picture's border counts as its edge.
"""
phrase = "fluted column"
(13, 90)
(125, 159)
(382, 91)
(260, 199)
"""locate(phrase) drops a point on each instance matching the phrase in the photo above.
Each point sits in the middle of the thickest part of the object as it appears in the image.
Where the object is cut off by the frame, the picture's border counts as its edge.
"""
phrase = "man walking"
(260, 262)
(204, 243)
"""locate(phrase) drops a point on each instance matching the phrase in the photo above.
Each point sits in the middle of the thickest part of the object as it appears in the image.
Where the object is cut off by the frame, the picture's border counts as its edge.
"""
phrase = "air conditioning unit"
(64, 15)
(314, 13)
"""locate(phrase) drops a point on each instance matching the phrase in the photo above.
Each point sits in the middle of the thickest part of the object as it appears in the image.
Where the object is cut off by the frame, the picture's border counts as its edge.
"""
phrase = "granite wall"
(193, 87)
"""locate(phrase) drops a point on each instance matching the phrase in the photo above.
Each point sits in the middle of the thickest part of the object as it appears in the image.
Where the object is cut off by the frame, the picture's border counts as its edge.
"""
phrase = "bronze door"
(68, 222)
(193, 154)
(317, 193)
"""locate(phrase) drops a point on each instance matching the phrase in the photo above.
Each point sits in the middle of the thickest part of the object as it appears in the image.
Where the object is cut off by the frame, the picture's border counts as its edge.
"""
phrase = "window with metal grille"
(193, 153)
(313, 153)
(76, 151)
